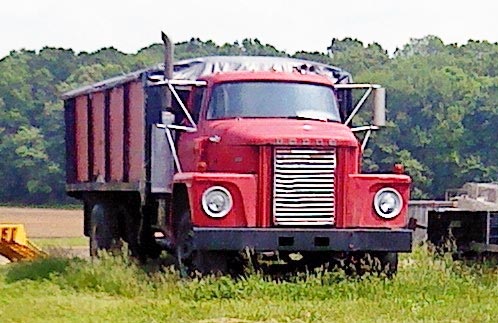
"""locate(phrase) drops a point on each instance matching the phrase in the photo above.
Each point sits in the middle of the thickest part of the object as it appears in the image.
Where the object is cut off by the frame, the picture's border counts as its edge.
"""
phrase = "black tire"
(377, 263)
(191, 262)
(147, 246)
(184, 244)
(130, 225)
(386, 263)
(103, 230)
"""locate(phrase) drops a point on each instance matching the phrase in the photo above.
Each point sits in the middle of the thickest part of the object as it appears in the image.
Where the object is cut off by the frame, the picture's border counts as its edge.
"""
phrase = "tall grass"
(427, 288)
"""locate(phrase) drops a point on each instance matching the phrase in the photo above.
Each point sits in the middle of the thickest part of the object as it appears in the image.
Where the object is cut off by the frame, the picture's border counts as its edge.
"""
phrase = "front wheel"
(382, 263)
(389, 263)
(377, 263)
(191, 261)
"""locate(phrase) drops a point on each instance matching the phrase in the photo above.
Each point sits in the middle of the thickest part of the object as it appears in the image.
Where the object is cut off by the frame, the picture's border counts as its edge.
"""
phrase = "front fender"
(242, 187)
(358, 201)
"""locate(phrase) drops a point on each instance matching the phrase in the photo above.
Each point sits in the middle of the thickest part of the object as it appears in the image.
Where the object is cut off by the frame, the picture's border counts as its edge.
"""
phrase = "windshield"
(273, 100)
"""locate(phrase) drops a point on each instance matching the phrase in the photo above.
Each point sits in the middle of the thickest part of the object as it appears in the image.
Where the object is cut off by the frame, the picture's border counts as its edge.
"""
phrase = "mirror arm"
(358, 105)
(365, 140)
(369, 130)
(171, 143)
(184, 109)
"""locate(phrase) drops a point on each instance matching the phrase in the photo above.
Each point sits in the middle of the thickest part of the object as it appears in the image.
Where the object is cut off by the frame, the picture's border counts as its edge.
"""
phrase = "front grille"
(303, 189)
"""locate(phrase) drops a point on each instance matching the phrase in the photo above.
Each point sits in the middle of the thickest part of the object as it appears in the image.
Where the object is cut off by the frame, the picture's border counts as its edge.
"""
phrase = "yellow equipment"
(15, 246)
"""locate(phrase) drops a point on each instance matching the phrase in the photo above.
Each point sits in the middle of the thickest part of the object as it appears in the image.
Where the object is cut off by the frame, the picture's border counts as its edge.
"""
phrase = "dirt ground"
(48, 223)
(45, 223)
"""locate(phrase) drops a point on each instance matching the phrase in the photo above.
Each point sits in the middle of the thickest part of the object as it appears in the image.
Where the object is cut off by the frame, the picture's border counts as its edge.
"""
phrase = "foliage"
(442, 107)
(427, 288)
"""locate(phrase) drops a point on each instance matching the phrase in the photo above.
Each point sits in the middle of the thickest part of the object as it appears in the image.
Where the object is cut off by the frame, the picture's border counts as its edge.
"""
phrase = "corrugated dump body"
(106, 138)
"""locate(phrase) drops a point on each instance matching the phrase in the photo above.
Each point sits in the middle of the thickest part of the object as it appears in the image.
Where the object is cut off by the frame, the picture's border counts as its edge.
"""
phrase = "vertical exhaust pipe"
(168, 66)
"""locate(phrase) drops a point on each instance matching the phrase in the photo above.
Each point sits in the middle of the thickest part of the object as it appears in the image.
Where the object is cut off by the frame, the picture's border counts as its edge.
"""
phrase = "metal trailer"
(466, 223)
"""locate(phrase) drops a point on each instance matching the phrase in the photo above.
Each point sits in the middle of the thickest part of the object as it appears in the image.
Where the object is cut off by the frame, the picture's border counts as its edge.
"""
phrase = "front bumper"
(271, 239)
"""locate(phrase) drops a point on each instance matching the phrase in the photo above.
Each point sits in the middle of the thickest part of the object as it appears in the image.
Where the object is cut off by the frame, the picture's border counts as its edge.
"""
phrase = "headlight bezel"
(377, 203)
(228, 202)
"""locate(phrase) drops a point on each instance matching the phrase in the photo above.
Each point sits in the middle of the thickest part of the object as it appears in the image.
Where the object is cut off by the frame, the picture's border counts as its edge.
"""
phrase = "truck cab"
(294, 120)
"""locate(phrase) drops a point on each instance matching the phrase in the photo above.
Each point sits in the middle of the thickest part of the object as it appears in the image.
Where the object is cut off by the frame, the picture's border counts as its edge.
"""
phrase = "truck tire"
(191, 262)
(102, 229)
(387, 263)
(377, 263)
(183, 244)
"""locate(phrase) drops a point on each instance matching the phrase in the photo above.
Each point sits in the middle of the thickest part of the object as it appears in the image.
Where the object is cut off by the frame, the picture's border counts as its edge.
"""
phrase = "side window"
(217, 104)
(197, 103)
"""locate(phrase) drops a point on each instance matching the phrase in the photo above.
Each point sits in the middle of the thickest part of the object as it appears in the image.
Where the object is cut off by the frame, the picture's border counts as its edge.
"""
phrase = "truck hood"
(281, 132)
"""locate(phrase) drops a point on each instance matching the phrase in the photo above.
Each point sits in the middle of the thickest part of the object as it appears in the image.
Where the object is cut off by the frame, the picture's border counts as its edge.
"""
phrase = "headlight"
(217, 201)
(388, 203)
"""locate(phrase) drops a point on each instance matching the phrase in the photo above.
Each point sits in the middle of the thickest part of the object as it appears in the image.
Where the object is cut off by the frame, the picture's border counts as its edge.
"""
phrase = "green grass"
(112, 289)
(60, 242)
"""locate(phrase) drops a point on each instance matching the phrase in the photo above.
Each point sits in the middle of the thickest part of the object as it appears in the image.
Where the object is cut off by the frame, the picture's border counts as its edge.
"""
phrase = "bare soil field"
(45, 223)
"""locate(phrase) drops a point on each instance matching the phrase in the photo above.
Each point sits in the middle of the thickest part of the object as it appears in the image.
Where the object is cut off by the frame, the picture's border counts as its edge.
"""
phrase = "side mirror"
(379, 107)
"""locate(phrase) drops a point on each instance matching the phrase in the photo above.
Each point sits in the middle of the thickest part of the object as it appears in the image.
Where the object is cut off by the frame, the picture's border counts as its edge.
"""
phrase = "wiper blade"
(308, 118)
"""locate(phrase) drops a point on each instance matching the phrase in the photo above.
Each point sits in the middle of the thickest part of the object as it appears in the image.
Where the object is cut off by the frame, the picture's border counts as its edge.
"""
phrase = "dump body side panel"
(105, 139)
(116, 134)
(136, 132)
(98, 135)
(69, 118)
(81, 136)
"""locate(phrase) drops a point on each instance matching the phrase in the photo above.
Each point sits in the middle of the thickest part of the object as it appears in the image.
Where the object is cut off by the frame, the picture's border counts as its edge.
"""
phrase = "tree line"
(442, 107)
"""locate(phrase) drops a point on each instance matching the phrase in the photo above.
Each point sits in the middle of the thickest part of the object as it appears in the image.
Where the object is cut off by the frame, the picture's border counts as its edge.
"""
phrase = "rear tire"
(104, 233)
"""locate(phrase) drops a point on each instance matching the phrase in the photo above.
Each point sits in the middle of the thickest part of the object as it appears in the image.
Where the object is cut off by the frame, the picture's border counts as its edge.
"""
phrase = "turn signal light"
(202, 166)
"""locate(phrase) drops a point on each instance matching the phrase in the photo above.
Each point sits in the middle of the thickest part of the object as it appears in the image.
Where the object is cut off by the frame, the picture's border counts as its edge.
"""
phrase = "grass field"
(45, 243)
(114, 289)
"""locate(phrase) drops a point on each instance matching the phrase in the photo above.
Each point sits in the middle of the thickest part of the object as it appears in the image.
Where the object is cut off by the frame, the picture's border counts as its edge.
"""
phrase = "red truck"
(210, 156)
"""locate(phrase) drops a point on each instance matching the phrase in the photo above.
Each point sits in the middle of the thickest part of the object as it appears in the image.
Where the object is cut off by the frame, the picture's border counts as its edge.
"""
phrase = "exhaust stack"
(168, 66)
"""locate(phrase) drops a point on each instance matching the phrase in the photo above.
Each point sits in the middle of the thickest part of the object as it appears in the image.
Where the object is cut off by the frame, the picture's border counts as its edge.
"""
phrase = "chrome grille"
(303, 189)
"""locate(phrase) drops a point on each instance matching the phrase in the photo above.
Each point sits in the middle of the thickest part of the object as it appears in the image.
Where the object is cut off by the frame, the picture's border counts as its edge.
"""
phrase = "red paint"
(116, 122)
(360, 192)
(81, 142)
(280, 132)
(136, 132)
(265, 173)
(98, 134)
(242, 187)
